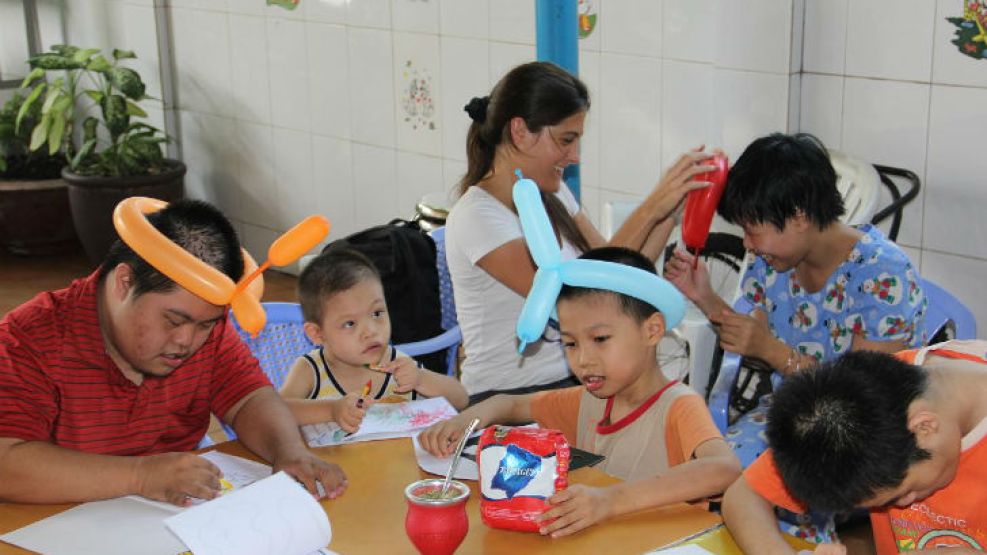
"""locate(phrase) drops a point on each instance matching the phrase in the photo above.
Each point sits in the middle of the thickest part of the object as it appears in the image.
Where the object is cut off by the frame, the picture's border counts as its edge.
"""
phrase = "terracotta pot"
(93, 199)
(35, 219)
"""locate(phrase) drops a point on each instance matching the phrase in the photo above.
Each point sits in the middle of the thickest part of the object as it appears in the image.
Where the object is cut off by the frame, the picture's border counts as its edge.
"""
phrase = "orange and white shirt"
(954, 516)
(661, 433)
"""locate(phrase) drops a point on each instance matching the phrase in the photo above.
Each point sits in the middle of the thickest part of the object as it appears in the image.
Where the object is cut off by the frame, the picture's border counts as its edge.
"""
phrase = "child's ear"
(654, 328)
(925, 424)
(313, 331)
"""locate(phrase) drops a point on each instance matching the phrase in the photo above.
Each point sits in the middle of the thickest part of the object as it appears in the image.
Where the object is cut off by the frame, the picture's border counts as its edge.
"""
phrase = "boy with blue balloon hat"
(656, 434)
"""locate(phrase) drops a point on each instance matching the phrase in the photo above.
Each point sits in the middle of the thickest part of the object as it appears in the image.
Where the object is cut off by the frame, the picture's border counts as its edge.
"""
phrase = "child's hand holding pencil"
(349, 411)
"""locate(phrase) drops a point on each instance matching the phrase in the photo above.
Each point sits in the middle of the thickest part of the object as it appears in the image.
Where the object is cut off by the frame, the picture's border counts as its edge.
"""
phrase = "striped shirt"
(57, 384)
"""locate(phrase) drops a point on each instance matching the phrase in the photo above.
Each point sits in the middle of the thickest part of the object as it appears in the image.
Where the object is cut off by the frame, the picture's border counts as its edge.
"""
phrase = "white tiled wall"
(285, 112)
(887, 86)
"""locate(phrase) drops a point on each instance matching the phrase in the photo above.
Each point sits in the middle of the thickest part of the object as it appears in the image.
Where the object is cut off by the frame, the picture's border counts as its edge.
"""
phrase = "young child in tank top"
(345, 313)
(656, 434)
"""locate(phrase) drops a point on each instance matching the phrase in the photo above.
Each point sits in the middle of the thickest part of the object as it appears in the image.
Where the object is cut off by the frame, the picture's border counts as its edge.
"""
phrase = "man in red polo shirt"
(106, 385)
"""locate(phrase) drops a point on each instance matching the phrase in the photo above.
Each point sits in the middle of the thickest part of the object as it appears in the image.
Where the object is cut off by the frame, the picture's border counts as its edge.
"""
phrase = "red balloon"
(700, 205)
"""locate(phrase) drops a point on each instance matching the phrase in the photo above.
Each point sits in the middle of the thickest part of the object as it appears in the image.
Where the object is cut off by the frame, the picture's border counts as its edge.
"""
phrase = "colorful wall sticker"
(587, 17)
(971, 37)
(417, 98)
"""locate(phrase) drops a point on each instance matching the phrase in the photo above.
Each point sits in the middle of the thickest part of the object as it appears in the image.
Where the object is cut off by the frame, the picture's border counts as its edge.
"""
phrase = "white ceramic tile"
(205, 140)
(50, 23)
(512, 21)
(204, 5)
(325, 11)
(250, 77)
(464, 18)
(588, 18)
(794, 102)
(254, 168)
(686, 30)
(419, 16)
(465, 74)
(293, 176)
(753, 35)
(589, 198)
(964, 278)
(954, 185)
(504, 56)
(155, 113)
(417, 93)
(821, 110)
(686, 110)
(375, 186)
(250, 7)
(417, 176)
(257, 239)
(797, 38)
(890, 43)
(886, 122)
(452, 172)
(140, 36)
(589, 148)
(747, 105)
(288, 67)
(369, 13)
(332, 180)
(825, 36)
(631, 27)
(371, 88)
(202, 60)
(949, 64)
(629, 112)
(328, 75)
(913, 254)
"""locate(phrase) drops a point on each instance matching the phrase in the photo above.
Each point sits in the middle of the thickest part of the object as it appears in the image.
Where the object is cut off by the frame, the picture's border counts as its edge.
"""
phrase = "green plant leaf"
(40, 133)
(84, 152)
(54, 93)
(89, 129)
(95, 95)
(123, 54)
(127, 81)
(3, 164)
(36, 73)
(55, 132)
(100, 64)
(28, 102)
(135, 110)
(64, 49)
(53, 61)
(82, 56)
(115, 114)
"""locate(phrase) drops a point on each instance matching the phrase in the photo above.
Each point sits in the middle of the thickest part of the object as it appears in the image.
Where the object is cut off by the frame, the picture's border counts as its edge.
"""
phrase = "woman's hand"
(678, 181)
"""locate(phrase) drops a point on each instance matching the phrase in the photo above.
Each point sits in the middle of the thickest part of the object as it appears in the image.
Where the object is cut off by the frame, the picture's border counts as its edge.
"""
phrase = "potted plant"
(34, 202)
(117, 156)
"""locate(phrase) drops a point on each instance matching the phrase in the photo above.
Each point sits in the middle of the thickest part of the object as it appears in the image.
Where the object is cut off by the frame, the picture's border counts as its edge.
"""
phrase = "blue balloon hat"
(594, 274)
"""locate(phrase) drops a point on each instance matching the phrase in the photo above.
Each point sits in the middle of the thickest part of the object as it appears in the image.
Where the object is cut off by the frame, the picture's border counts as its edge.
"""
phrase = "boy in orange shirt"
(656, 434)
(904, 436)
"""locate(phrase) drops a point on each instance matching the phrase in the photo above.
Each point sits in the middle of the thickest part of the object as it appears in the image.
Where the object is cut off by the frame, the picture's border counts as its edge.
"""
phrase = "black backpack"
(405, 257)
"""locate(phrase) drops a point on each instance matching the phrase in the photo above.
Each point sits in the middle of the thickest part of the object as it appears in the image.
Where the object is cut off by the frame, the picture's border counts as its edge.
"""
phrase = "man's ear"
(521, 137)
(121, 281)
(313, 331)
(926, 425)
(654, 328)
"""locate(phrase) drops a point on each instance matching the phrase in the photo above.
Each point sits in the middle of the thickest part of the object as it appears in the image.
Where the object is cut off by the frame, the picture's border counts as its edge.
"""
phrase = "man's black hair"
(840, 431)
(334, 271)
(779, 176)
(196, 226)
(632, 306)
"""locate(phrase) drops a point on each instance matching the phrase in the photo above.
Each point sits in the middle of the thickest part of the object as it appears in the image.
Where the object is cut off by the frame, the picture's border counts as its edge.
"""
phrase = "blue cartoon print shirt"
(875, 293)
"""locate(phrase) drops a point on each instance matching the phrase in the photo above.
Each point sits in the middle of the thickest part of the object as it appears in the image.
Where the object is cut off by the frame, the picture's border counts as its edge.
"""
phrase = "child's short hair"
(840, 432)
(330, 273)
(779, 176)
(631, 306)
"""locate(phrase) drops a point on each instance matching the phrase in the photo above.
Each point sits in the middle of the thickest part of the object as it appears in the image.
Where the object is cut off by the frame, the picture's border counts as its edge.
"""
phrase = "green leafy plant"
(83, 81)
(16, 159)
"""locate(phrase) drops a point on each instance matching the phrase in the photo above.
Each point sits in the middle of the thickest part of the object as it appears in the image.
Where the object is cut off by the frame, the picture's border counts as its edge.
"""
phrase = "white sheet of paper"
(467, 469)
(383, 421)
(120, 526)
(273, 516)
(684, 550)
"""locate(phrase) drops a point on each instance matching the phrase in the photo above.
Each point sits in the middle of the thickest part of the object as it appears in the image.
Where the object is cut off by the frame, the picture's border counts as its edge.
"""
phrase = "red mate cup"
(436, 523)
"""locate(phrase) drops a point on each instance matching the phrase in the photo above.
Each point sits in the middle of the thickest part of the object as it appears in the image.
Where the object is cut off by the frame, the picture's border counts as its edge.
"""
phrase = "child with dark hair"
(342, 301)
(903, 436)
(656, 434)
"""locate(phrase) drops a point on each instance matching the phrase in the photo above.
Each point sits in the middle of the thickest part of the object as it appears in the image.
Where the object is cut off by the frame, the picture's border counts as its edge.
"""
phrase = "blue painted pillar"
(557, 40)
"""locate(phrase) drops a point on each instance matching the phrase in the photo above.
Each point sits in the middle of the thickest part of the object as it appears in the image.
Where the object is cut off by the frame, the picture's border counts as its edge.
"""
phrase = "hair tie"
(477, 108)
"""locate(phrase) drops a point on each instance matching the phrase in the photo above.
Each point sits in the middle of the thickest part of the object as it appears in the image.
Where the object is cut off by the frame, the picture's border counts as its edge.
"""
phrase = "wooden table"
(369, 517)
